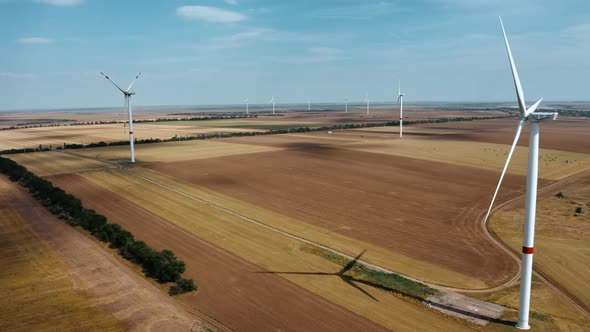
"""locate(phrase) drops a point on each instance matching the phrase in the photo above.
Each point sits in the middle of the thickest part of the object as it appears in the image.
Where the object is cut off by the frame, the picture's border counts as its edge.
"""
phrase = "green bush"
(182, 286)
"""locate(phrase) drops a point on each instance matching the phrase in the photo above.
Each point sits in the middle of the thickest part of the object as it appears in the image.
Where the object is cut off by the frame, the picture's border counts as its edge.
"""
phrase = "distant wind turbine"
(345, 105)
(368, 104)
(400, 100)
(308, 105)
(127, 95)
(531, 187)
(247, 106)
(272, 100)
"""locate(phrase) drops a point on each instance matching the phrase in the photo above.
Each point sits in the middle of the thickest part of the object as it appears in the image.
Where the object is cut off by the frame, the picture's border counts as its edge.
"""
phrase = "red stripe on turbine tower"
(528, 250)
(130, 133)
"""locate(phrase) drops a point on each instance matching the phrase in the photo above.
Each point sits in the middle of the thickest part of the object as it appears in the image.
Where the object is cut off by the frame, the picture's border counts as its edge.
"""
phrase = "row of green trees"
(163, 265)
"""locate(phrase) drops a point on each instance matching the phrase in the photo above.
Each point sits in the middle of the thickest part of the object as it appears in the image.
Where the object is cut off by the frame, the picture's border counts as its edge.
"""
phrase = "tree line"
(163, 265)
(222, 116)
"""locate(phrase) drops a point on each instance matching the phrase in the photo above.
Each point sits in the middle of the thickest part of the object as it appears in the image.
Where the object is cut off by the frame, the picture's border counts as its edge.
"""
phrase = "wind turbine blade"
(108, 79)
(516, 137)
(519, 93)
(399, 88)
(533, 108)
(131, 85)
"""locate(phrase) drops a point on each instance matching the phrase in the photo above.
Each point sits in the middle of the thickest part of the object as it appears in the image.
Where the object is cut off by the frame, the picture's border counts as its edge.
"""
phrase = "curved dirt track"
(541, 193)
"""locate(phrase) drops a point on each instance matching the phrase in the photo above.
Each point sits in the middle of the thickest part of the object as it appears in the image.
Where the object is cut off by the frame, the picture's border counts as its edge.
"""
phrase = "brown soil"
(566, 134)
(229, 287)
(109, 282)
(426, 210)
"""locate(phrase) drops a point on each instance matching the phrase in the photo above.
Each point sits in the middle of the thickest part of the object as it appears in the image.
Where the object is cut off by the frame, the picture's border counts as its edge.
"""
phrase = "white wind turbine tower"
(368, 104)
(247, 106)
(531, 187)
(345, 105)
(308, 104)
(272, 100)
(400, 100)
(127, 95)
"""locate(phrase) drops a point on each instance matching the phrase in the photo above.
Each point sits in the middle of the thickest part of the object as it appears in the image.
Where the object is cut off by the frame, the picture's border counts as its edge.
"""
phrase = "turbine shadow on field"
(350, 280)
(310, 147)
(341, 274)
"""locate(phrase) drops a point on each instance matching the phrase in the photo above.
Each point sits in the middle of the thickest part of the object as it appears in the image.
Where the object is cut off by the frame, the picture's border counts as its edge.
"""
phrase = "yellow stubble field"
(172, 151)
(36, 291)
(562, 237)
(85, 134)
(553, 164)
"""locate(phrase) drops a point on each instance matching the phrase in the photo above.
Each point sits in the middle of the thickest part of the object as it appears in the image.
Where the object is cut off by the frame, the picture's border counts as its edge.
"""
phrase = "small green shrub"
(182, 286)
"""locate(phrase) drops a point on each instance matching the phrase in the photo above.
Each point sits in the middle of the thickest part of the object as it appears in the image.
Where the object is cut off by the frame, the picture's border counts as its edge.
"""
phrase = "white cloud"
(60, 2)
(35, 40)
(231, 2)
(16, 75)
(209, 14)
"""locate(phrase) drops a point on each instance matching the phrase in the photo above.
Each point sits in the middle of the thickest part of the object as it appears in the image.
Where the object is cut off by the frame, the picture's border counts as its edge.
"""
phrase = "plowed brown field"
(565, 134)
(230, 288)
(409, 206)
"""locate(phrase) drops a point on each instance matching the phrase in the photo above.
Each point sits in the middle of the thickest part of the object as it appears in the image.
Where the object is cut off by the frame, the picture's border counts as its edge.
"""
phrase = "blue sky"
(224, 51)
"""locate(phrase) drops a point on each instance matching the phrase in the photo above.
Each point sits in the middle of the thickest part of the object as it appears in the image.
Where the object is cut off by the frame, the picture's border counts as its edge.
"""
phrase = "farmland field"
(169, 151)
(562, 236)
(86, 134)
(269, 252)
(49, 163)
(56, 278)
(369, 197)
(236, 211)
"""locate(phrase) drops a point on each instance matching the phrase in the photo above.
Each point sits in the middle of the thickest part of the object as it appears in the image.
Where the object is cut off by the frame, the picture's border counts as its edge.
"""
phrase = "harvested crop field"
(53, 162)
(86, 134)
(271, 252)
(172, 151)
(553, 164)
(411, 207)
(565, 134)
(562, 236)
(54, 277)
(217, 271)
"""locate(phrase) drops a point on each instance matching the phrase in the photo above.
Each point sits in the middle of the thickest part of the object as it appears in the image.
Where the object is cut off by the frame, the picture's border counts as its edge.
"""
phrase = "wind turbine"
(127, 95)
(308, 105)
(531, 187)
(247, 106)
(400, 100)
(272, 100)
(368, 104)
(345, 105)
